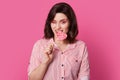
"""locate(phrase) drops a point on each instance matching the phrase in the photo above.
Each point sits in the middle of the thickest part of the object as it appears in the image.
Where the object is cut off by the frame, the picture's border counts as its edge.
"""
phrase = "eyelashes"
(62, 22)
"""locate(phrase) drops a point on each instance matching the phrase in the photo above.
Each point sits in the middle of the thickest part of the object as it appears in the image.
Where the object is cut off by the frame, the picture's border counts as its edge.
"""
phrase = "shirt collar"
(70, 46)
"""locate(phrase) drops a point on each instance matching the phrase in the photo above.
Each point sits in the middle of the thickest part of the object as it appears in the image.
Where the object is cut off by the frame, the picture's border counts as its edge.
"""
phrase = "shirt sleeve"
(35, 58)
(84, 68)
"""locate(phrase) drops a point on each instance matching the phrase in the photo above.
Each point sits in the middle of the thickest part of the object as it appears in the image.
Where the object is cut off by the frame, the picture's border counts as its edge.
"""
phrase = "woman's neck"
(62, 44)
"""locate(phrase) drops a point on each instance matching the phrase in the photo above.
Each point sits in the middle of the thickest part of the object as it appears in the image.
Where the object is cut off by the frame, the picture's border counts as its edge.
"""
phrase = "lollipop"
(61, 35)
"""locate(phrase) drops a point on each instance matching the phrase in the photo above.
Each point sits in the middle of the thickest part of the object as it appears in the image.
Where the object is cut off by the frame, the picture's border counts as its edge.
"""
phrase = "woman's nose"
(58, 25)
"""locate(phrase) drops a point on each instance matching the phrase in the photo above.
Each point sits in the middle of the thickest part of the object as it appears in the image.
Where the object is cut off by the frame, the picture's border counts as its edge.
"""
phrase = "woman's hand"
(48, 54)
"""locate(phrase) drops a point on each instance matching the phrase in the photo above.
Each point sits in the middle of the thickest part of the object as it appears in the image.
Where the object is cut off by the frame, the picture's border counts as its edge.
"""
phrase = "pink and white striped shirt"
(71, 64)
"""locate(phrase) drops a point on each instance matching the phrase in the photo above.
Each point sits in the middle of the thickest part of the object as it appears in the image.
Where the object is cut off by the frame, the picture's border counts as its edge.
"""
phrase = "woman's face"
(60, 23)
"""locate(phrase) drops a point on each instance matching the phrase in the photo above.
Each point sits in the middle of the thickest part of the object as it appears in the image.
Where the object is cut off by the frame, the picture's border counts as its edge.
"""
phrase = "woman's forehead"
(60, 16)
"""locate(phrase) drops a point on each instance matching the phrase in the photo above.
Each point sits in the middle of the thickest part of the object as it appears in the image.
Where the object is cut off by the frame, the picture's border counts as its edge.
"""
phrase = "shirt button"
(62, 77)
(62, 65)
(76, 60)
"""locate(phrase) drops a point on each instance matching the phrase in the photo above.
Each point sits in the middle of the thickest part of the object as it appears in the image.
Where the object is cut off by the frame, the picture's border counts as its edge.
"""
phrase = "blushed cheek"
(52, 29)
(66, 30)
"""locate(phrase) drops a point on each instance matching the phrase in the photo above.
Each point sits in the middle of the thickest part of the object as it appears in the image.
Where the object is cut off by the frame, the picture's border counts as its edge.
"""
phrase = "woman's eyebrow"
(63, 19)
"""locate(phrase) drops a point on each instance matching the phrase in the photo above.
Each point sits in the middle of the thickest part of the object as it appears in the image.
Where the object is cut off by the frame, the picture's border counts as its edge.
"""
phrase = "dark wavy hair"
(66, 9)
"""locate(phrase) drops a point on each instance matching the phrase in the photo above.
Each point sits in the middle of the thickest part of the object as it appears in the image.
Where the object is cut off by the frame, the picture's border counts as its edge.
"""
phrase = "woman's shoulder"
(41, 41)
(80, 42)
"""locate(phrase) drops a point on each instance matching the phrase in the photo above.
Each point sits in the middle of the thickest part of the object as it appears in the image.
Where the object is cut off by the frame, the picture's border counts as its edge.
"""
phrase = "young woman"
(58, 55)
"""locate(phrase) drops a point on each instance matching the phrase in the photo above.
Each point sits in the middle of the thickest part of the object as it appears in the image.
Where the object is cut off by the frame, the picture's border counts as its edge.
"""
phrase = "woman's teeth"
(59, 31)
(61, 35)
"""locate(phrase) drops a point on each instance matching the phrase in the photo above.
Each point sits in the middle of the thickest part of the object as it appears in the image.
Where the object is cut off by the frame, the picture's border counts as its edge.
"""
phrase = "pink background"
(22, 23)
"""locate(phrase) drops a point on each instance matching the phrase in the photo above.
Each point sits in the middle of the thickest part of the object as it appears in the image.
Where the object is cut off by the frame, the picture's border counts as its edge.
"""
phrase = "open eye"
(63, 22)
